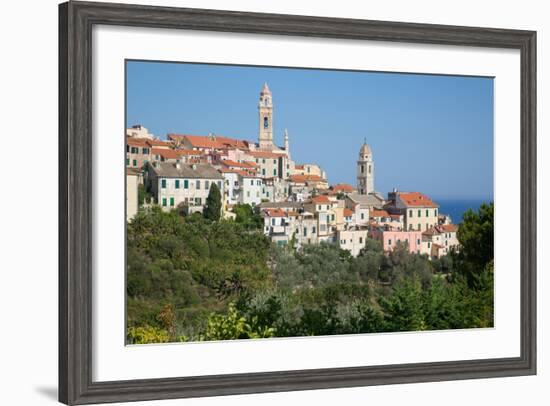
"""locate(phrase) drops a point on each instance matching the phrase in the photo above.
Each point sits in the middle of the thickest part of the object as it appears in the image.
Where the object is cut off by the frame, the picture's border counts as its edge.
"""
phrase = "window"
(164, 201)
(389, 242)
(275, 161)
(305, 231)
(418, 227)
(429, 244)
(220, 184)
(145, 151)
(127, 148)
(198, 201)
(259, 183)
(172, 201)
(207, 184)
(287, 166)
(186, 184)
(313, 230)
(257, 160)
(272, 222)
(427, 213)
(134, 150)
(332, 217)
(419, 213)
(274, 172)
(267, 194)
(198, 184)
(360, 240)
(418, 241)
(370, 169)
(135, 162)
(435, 212)
(177, 183)
(362, 216)
(410, 213)
(127, 161)
(257, 194)
(251, 182)
(163, 183)
(362, 168)
(248, 194)
(266, 120)
(263, 161)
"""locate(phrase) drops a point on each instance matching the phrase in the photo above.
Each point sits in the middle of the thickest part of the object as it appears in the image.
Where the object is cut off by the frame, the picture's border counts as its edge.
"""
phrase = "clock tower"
(365, 170)
(265, 113)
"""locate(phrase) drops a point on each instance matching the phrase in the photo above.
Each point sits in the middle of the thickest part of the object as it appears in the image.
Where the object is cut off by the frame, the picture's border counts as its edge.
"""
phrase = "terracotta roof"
(306, 178)
(293, 214)
(320, 199)
(298, 166)
(214, 141)
(342, 187)
(264, 154)
(348, 212)
(137, 142)
(228, 162)
(431, 231)
(188, 152)
(449, 228)
(165, 153)
(379, 213)
(275, 213)
(416, 199)
(159, 143)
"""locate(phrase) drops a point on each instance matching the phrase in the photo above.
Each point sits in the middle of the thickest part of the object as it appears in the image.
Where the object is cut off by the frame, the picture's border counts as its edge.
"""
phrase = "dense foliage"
(191, 278)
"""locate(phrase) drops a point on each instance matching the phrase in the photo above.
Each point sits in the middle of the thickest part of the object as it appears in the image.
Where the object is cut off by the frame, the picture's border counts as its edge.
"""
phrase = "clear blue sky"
(428, 133)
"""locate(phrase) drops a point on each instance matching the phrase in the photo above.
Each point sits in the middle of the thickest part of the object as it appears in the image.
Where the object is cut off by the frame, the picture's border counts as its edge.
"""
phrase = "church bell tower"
(265, 113)
(365, 170)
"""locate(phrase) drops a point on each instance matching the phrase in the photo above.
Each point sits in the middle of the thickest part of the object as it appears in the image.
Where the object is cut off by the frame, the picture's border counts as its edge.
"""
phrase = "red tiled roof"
(416, 199)
(188, 152)
(205, 141)
(228, 162)
(348, 212)
(320, 199)
(275, 212)
(379, 213)
(449, 228)
(159, 143)
(165, 153)
(342, 187)
(137, 142)
(306, 178)
(264, 154)
(431, 231)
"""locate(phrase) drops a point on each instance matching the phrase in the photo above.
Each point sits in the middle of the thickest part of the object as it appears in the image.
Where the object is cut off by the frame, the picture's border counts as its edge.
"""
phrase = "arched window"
(369, 169)
(362, 168)
(266, 122)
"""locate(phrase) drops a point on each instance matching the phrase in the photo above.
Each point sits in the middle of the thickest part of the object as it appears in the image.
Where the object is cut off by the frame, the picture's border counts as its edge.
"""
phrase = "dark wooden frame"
(75, 191)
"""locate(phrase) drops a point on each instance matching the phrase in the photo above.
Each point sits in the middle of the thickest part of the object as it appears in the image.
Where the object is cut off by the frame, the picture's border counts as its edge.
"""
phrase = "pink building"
(391, 238)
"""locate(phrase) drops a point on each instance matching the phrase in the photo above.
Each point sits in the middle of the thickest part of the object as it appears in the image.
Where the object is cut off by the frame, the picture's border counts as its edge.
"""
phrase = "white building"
(250, 189)
(175, 184)
(352, 240)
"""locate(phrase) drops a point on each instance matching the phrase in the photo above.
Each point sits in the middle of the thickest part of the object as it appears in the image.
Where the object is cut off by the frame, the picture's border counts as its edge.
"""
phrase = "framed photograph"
(259, 202)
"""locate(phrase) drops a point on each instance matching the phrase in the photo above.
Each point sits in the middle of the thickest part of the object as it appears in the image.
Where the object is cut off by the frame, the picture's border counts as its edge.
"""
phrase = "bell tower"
(265, 114)
(365, 170)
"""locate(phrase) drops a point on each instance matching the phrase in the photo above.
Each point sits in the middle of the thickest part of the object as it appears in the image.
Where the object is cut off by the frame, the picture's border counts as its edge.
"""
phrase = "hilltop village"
(295, 200)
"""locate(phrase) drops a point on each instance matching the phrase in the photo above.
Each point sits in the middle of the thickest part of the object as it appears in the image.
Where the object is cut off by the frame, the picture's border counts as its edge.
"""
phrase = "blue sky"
(428, 133)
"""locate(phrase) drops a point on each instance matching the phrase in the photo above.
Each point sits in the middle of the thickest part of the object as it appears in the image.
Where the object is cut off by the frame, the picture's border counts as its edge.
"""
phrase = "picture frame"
(76, 20)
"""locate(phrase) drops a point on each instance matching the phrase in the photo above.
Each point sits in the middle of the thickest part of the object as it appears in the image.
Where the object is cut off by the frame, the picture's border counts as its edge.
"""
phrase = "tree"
(476, 237)
(213, 208)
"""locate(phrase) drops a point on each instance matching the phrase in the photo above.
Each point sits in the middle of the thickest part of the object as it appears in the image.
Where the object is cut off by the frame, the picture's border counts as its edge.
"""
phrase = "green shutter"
(171, 201)
(164, 201)
(163, 183)
(177, 183)
(427, 214)
(135, 162)
(186, 184)
(127, 161)
(419, 213)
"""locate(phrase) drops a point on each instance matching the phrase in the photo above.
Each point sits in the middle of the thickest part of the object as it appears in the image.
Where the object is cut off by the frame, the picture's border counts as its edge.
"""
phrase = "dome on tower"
(265, 89)
(365, 150)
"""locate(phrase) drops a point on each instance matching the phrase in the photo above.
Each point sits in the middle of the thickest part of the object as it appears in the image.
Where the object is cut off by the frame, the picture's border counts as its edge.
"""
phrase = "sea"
(457, 207)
